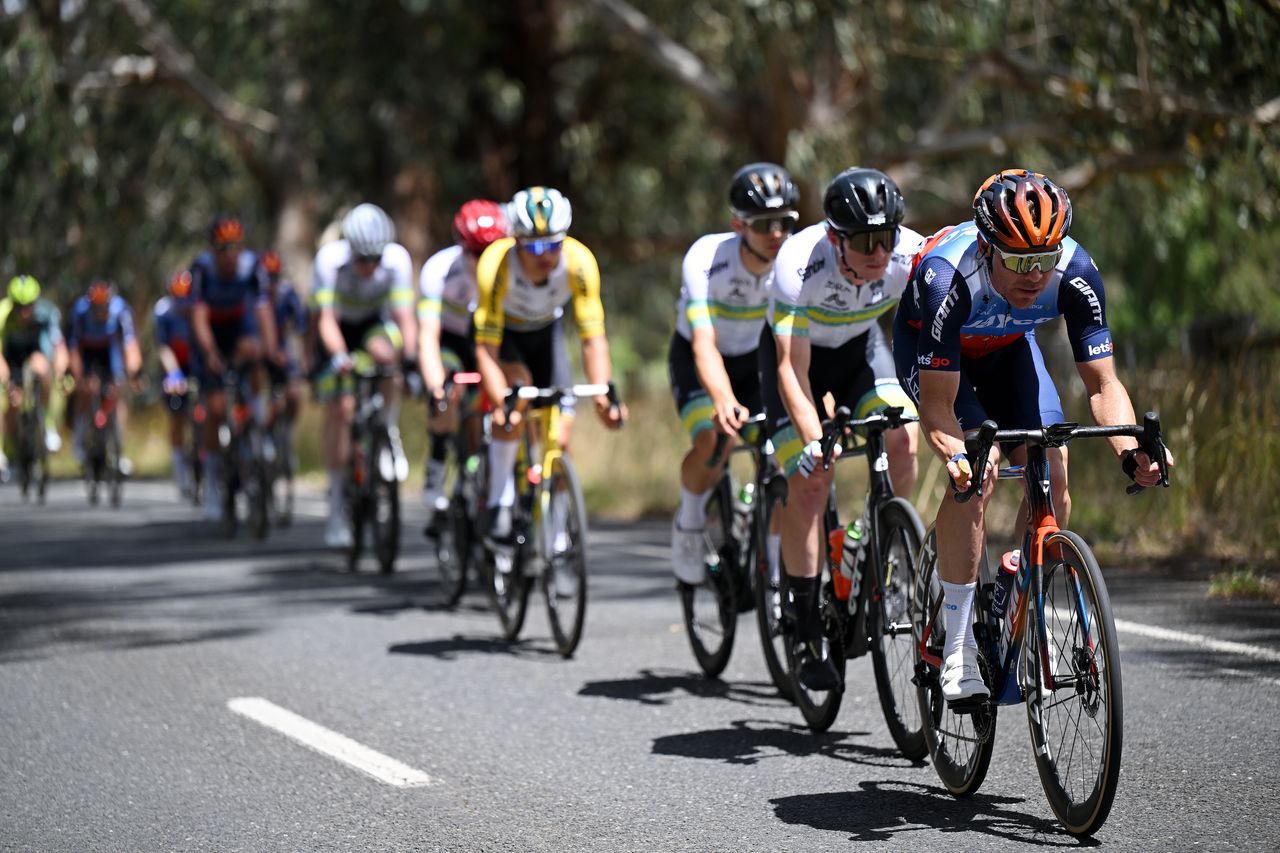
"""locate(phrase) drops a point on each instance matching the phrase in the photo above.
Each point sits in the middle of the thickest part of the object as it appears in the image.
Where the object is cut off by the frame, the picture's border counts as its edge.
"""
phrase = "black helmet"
(860, 200)
(762, 188)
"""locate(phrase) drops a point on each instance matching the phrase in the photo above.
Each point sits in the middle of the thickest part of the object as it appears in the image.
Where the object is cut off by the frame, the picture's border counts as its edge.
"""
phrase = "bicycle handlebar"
(723, 438)
(832, 431)
(541, 397)
(457, 378)
(978, 447)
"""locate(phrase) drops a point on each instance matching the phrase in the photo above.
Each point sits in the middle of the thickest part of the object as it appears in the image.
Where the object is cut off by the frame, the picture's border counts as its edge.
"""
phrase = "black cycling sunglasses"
(865, 242)
(784, 222)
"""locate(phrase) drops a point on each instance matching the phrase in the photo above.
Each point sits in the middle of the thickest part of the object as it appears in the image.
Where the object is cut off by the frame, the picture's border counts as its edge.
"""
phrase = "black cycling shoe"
(814, 667)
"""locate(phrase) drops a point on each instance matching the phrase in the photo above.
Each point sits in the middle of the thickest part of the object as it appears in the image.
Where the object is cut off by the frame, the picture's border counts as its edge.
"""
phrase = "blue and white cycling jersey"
(109, 332)
(231, 300)
(173, 328)
(952, 310)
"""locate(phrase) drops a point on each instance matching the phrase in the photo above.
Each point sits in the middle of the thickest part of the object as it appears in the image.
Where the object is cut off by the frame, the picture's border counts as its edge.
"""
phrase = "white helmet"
(539, 212)
(368, 230)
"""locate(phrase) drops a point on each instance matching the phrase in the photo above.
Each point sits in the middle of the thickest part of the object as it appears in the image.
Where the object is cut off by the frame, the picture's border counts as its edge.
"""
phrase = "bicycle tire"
(960, 745)
(710, 609)
(1092, 695)
(230, 485)
(258, 496)
(901, 533)
(282, 493)
(356, 513)
(821, 707)
(768, 595)
(115, 479)
(566, 601)
(384, 505)
(508, 590)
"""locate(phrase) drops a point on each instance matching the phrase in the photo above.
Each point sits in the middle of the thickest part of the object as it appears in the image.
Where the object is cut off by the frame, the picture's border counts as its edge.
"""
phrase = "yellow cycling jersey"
(507, 299)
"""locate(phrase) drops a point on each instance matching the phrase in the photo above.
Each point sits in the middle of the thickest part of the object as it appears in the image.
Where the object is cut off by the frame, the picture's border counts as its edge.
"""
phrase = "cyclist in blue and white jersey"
(446, 298)
(103, 349)
(291, 329)
(175, 347)
(362, 288)
(965, 349)
(832, 282)
(712, 360)
(235, 327)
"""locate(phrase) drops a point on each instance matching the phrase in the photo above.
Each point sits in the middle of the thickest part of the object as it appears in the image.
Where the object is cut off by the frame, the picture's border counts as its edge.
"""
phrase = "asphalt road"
(126, 635)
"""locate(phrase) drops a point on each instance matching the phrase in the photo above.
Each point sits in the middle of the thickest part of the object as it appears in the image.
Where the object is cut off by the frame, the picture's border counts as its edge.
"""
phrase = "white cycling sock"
(502, 473)
(773, 551)
(957, 603)
(559, 519)
(693, 509)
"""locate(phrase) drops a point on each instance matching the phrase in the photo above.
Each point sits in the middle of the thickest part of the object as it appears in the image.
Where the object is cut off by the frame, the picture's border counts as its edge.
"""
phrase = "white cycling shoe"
(688, 554)
(962, 678)
(337, 534)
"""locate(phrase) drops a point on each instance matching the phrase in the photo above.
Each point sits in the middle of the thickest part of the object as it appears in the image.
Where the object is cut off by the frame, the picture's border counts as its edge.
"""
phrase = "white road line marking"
(1201, 640)
(330, 743)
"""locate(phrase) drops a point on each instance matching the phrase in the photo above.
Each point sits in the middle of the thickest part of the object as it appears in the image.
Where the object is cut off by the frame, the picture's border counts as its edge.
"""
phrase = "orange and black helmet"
(271, 262)
(1022, 211)
(226, 229)
(180, 284)
(100, 292)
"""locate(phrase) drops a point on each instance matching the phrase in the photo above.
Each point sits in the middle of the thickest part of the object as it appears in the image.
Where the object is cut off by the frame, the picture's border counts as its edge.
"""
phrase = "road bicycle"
(372, 490)
(865, 604)
(737, 565)
(1055, 648)
(455, 528)
(31, 455)
(247, 451)
(101, 467)
(549, 523)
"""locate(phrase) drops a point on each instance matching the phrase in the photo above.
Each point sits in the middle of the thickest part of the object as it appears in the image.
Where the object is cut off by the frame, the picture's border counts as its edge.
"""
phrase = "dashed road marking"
(328, 742)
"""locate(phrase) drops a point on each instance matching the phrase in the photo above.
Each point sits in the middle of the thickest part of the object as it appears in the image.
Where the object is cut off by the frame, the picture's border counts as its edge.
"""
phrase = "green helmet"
(24, 289)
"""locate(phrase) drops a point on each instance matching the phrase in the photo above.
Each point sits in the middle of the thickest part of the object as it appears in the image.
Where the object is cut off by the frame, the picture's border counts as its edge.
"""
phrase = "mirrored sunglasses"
(1023, 264)
(784, 222)
(866, 242)
(541, 247)
(369, 259)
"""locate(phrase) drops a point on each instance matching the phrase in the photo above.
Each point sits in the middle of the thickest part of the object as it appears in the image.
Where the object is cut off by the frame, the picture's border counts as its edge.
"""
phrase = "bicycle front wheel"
(710, 609)
(892, 656)
(384, 508)
(959, 744)
(565, 583)
(769, 620)
(1073, 688)
(821, 707)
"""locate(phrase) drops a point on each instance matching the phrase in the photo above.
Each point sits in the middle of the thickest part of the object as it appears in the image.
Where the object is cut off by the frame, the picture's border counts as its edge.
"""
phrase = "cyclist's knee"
(808, 495)
(899, 443)
(248, 350)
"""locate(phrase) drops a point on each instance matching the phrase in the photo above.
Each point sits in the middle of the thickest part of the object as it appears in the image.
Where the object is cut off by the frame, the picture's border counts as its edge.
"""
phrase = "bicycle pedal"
(968, 707)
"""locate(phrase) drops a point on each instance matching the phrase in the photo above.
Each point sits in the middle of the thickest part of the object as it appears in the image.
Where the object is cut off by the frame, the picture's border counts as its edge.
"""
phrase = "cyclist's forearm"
(938, 413)
(492, 378)
(595, 359)
(1110, 404)
(132, 358)
(331, 335)
(267, 324)
(200, 325)
(407, 320)
(711, 373)
(429, 353)
(168, 360)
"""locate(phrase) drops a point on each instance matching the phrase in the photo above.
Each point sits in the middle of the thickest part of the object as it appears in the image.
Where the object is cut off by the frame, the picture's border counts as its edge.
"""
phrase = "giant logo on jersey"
(1085, 290)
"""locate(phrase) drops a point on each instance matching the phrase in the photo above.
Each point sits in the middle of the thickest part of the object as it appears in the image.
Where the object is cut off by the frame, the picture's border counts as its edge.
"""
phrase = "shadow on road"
(891, 811)
(659, 688)
(457, 646)
(751, 741)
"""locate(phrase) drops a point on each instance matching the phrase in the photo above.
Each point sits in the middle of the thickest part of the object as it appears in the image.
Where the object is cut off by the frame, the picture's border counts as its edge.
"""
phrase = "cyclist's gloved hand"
(175, 382)
(810, 458)
(341, 362)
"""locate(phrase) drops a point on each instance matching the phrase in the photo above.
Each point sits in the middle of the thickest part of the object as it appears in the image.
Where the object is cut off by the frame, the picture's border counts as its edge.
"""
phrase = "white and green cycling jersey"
(812, 297)
(718, 291)
(336, 284)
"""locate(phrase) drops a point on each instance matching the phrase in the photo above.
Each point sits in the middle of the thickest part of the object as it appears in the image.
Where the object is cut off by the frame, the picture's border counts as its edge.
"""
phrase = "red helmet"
(180, 284)
(100, 293)
(271, 263)
(226, 229)
(478, 223)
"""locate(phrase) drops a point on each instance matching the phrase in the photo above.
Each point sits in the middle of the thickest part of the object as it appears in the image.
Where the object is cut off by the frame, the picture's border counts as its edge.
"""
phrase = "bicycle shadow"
(879, 811)
(657, 688)
(749, 742)
(458, 645)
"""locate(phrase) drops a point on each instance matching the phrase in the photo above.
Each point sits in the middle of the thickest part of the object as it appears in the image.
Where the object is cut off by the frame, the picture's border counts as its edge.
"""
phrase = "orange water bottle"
(840, 583)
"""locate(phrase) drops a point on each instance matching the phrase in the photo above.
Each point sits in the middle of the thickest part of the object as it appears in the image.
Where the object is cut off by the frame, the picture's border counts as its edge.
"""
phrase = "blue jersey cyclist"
(965, 348)
(31, 332)
(234, 326)
(292, 323)
(712, 360)
(832, 284)
(103, 349)
(176, 347)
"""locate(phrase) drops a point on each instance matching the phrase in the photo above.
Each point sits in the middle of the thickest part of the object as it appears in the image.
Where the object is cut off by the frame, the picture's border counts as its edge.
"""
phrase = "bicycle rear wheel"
(507, 586)
(257, 484)
(959, 744)
(565, 582)
(821, 707)
(710, 609)
(768, 594)
(384, 506)
(889, 623)
(1077, 725)
(115, 478)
